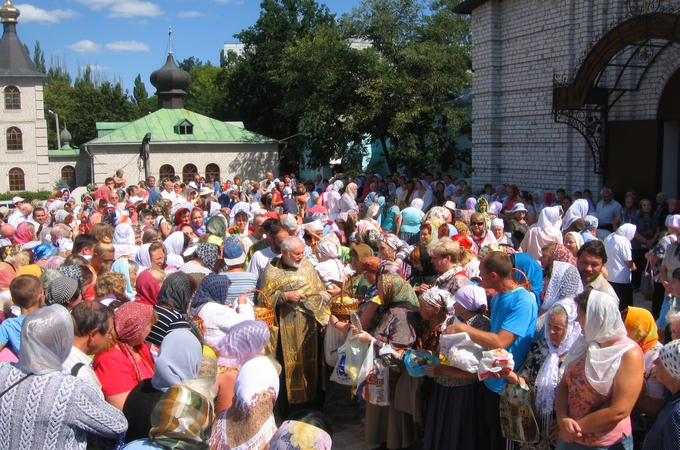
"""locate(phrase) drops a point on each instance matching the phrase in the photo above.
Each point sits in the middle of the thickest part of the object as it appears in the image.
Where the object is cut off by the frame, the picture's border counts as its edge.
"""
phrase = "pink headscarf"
(23, 234)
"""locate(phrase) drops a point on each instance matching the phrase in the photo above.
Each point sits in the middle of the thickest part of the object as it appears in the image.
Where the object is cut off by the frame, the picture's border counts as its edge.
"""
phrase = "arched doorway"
(626, 152)
(668, 116)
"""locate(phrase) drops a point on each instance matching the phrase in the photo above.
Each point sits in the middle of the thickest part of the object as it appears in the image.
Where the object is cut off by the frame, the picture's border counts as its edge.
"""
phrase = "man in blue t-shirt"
(513, 323)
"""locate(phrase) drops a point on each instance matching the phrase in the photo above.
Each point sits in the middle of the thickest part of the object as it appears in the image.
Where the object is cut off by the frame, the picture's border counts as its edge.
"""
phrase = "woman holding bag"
(394, 323)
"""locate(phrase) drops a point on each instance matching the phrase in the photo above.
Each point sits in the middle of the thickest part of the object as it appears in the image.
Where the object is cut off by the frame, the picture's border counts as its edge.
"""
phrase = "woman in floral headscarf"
(394, 323)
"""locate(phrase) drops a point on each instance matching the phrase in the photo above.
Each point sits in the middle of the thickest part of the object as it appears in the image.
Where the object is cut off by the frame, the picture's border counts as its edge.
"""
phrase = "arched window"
(166, 171)
(188, 173)
(14, 139)
(68, 174)
(17, 181)
(12, 98)
(213, 172)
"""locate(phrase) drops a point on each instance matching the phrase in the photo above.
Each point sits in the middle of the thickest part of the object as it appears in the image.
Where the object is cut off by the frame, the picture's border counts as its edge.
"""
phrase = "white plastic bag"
(374, 382)
(459, 351)
(339, 375)
(355, 353)
(333, 340)
(494, 361)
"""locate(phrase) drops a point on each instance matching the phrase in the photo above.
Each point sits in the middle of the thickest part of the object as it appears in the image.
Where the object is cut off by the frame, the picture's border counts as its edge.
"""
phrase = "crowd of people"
(210, 315)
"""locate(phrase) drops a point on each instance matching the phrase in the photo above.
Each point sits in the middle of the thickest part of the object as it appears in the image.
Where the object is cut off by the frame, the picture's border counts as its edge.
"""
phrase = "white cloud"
(30, 13)
(86, 46)
(124, 8)
(190, 14)
(134, 9)
(97, 4)
(127, 46)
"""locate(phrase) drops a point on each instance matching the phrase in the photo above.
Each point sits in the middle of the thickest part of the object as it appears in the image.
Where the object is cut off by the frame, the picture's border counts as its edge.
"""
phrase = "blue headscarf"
(44, 251)
(122, 266)
(213, 288)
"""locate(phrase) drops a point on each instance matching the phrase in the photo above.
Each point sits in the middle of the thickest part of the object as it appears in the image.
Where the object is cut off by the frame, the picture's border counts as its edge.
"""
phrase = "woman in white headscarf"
(332, 199)
(44, 408)
(620, 263)
(603, 375)
(175, 245)
(543, 368)
(546, 231)
(124, 240)
(329, 268)
(424, 193)
(564, 282)
(573, 218)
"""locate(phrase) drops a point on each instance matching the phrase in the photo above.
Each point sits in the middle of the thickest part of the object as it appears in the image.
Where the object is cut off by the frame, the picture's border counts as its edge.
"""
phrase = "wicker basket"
(342, 310)
(526, 284)
(264, 313)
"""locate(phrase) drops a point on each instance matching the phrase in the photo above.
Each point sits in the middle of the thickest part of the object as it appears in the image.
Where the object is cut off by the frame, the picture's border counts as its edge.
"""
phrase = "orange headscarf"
(641, 327)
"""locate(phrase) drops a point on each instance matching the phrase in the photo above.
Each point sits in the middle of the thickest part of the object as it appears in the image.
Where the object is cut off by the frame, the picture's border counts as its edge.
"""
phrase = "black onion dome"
(170, 78)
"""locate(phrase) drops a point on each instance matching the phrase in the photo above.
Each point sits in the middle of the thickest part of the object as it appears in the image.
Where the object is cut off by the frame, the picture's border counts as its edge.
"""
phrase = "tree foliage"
(300, 76)
(255, 93)
(88, 100)
(39, 58)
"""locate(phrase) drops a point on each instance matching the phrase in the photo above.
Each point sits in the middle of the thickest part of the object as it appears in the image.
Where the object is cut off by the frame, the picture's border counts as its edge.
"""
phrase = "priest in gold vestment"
(302, 306)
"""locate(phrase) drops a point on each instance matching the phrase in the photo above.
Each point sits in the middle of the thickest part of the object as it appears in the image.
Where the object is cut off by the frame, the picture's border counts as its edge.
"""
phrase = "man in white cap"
(16, 217)
(22, 213)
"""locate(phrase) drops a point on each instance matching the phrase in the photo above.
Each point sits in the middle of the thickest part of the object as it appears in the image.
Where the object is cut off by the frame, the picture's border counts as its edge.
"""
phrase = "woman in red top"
(128, 361)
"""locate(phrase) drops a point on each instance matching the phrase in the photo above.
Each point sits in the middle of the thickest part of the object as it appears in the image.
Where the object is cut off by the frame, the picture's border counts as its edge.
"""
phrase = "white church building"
(178, 141)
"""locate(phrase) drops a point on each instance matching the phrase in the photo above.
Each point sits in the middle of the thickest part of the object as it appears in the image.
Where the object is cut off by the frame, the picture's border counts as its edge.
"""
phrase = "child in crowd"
(119, 180)
(27, 294)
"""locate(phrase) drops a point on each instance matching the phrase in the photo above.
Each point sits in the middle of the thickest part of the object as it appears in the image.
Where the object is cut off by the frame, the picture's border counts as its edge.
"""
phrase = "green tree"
(39, 58)
(399, 91)
(423, 63)
(190, 64)
(139, 93)
(203, 94)
(254, 92)
(320, 88)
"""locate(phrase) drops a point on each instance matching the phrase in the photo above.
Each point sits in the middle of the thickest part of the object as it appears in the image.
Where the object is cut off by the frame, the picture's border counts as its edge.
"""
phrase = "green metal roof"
(161, 125)
(70, 152)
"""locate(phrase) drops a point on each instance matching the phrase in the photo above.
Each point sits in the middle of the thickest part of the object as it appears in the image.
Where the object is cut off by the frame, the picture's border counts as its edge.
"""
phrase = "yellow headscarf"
(30, 269)
(641, 327)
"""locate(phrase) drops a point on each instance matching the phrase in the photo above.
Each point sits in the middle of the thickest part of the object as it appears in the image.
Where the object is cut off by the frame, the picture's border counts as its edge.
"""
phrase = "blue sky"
(122, 38)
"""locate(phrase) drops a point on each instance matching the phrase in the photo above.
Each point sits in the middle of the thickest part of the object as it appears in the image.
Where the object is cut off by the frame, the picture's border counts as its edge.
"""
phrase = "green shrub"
(40, 195)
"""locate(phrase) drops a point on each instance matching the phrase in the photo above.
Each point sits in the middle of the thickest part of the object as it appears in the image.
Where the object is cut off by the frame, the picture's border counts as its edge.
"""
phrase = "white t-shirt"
(619, 250)
(260, 260)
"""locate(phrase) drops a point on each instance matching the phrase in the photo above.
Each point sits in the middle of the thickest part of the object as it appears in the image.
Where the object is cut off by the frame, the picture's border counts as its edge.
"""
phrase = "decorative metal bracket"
(591, 124)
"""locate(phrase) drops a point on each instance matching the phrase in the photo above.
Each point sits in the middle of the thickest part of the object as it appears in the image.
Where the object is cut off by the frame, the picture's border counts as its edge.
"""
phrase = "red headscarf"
(131, 319)
(178, 215)
(563, 254)
(147, 289)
